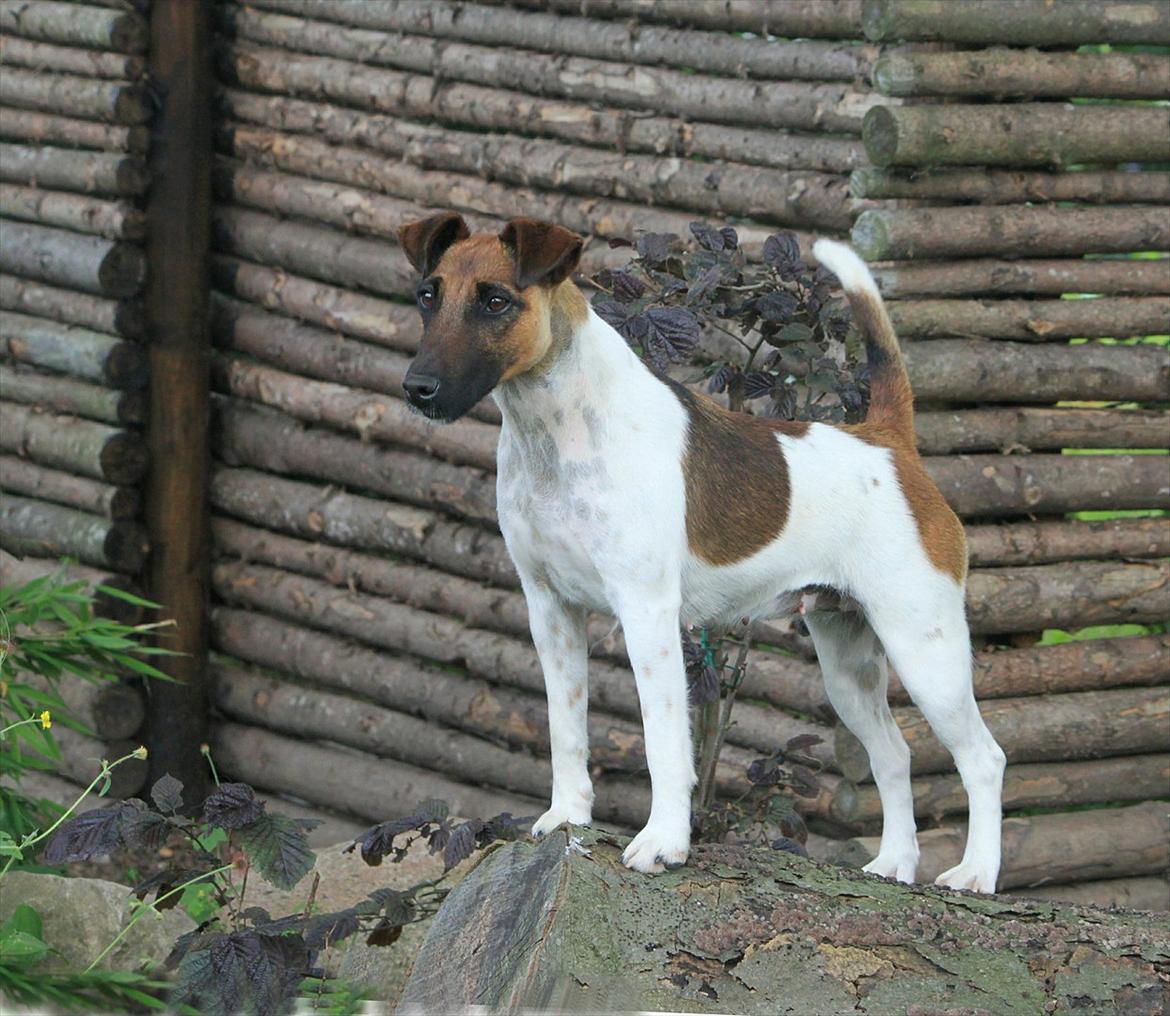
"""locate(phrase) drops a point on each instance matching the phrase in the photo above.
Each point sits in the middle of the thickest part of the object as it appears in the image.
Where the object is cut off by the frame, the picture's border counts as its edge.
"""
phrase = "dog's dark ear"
(542, 252)
(424, 242)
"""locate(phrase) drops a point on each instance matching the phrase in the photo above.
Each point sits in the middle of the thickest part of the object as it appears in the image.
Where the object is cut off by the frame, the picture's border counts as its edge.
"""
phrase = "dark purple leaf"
(232, 806)
(763, 772)
(802, 741)
(709, 238)
(87, 836)
(461, 844)
(626, 287)
(610, 311)
(654, 248)
(619, 241)
(384, 934)
(782, 252)
(167, 794)
(719, 380)
(777, 306)
(783, 843)
(277, 848)
(676, 328)
(757, 384)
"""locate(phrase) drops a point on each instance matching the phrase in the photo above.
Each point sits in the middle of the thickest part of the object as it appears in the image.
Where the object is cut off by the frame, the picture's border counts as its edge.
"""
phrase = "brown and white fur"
(621, 491)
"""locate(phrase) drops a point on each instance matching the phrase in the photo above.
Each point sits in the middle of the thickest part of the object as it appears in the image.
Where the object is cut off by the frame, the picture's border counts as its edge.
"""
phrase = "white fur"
(592, 504)
(843, 262)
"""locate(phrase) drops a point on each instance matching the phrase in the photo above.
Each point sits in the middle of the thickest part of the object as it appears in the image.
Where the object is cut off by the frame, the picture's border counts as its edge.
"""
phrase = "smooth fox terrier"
(613, 496)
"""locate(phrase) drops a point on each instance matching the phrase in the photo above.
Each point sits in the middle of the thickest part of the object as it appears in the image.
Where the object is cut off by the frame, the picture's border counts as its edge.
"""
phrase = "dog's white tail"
(891, 403)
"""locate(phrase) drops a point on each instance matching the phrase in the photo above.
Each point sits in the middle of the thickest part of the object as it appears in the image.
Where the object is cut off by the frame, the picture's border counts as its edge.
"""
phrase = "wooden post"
(179, 212)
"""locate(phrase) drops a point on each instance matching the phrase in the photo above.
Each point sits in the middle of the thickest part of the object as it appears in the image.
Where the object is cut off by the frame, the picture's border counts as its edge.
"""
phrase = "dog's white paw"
(971, 875)
(558, 816)
(658, 847)
(901, 866)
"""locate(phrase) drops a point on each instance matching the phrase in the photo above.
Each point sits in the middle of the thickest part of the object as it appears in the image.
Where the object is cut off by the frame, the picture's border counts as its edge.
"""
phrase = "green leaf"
(18, 947)
(25, 919)
(278, 849)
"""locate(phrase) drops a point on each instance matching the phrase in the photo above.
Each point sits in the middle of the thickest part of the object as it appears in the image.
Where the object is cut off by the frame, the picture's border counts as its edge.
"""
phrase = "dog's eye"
(497, 304)
(426, 297)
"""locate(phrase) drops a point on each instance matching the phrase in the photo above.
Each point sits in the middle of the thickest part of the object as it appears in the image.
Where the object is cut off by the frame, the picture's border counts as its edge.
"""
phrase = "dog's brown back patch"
(736, 479)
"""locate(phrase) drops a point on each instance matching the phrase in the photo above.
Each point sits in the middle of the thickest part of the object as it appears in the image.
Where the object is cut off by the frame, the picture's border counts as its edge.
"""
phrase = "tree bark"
(117, 102)
(978, 486)
(112, 710)
(116, 317)
(957, 370)
(348, 781)
(1049, 278)
(102, 267)
(44, 529)
(395, 325)
(44, 128)
(1008, 229)
(88, 172)
(113, 220)
(1020, 428)
(722, 54)
(73, 350)
(1032, 320)
(1031, 134)
(520, 933)
(1064, 847)
(798, 105)
(1022, 543)
(76, 398)
(1057, 728)
(277, 443)
(1016, 22)
(81, 761)
(320, 354)
(369, 416)
(17, 571)
(74, 25)
(1150, 892)
(28, 478)
(1032, 785)
(1008, 187)
(44, 56)
(1004, 73)
(77, 446)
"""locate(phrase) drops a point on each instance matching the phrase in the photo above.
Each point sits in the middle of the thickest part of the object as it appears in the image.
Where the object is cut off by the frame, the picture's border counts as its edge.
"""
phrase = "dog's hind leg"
(929, 645)
(856, 676)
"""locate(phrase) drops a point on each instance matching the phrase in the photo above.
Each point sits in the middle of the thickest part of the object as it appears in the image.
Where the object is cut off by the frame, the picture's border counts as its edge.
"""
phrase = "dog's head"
(487, 306)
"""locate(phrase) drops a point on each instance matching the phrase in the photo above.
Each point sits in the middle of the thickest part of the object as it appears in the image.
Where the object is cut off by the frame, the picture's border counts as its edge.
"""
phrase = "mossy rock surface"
(745, 930)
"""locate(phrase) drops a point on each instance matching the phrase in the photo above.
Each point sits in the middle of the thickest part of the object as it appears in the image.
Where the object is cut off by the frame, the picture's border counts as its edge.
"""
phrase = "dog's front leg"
(655, 648)
(558, 629)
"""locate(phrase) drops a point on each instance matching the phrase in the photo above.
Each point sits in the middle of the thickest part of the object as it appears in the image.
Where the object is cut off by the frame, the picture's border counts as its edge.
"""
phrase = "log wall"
(364, 610)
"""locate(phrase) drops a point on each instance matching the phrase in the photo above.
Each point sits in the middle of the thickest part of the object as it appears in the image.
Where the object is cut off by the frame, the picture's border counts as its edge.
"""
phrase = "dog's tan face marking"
(736, 479)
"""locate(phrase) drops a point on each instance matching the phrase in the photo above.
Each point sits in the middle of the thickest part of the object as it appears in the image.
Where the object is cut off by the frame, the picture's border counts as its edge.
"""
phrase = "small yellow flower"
(46, 720)
(140, 751)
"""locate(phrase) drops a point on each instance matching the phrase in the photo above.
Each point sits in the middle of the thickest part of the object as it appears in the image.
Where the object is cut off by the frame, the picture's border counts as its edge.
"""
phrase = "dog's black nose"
(421, 387)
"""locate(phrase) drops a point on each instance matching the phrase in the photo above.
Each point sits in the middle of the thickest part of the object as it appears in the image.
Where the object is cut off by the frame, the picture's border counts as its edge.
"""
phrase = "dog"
(613, 495)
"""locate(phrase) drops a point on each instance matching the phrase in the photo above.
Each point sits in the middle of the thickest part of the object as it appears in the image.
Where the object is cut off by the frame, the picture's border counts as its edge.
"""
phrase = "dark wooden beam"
(179, 213)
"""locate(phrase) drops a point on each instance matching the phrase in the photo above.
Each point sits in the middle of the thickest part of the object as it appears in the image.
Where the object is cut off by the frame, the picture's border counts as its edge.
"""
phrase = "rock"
(549, 926)
(82, 916)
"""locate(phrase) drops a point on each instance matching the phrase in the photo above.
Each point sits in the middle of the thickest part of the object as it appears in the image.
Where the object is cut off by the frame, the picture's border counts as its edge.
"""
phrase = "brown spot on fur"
(576, 694)
(733, 452)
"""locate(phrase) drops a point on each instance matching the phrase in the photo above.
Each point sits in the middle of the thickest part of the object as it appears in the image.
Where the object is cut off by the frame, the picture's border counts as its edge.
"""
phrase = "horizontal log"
(275, 442)
(1008, 187)
(23, 477)
(44, 56)
(311, 157)
(1003, 73)
(118, 102)
(799, 105)
(81, 762)
(115, 220)
(66, 169)
(311, 512)
(724, 54)
(19, 570)
(75, 445)
(307, 350)
(1064, 847)
(1149, 892)
(1023, 428)
(1053, 728)
(978, 276)
(979, 370)
(1025, 134)
(48, 129)
(1017, 22)
(1019, 231)
(110, 709)
(69, 349)
(978, 486)
(42, 529)
(1018, 543)
(90, 263)
(1032, 785)
(116, 317)
(66, 395)
(290, 709)
(351, 782)
(1120, 317)
(75, 25)
(367, 414)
